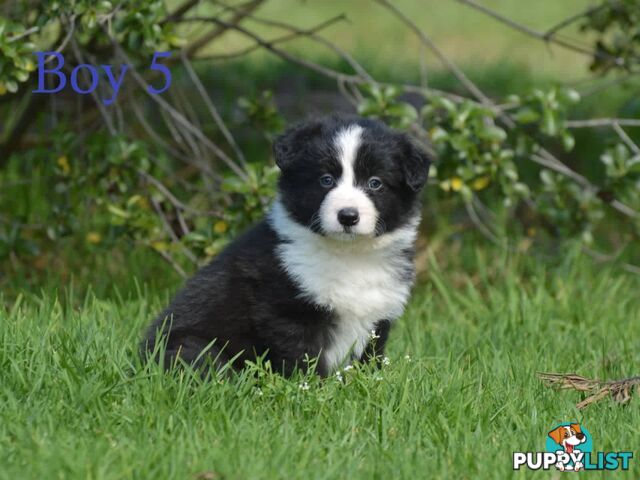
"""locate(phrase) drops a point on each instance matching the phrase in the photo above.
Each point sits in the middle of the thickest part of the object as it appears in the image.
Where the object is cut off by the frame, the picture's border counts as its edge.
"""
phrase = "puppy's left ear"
(415, 164)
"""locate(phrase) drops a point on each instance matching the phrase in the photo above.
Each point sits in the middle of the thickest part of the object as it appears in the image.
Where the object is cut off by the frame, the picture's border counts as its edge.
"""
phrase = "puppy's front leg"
(375, 347)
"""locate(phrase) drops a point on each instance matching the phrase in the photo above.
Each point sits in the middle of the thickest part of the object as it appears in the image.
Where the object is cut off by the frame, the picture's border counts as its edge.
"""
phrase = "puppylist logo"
(569, 448)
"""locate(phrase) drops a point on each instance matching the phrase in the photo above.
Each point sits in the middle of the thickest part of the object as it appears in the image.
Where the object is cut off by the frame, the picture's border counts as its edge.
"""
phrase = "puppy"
(329, 269)
(568, 437)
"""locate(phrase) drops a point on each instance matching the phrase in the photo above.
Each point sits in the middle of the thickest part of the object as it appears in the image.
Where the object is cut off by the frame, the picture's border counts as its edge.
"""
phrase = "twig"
(569, 20)
(179, 11)
(481, 226)
(193, 48)
(540, 36)
(275, 41)
(180, 118)
(26, 33)
(172, 198)
(172, 234)
(94, 95)
(626, 139)
(213, 111)
(306, 33)
(602, 122)
(459, 74)
(171, 262)
(619, 390)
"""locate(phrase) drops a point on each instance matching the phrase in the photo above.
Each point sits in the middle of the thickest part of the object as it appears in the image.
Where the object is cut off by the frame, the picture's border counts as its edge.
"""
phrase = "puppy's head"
(568, 436)
(345, 177)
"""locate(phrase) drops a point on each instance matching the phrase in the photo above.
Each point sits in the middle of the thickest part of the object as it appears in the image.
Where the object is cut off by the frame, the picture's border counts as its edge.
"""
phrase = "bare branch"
(275, 41)
(602, 122)
(169, 259)
(626, 139)
(172, 198)
(459, 74)
(213, 110)
(541, 36)
(569, 20)
(198, 44)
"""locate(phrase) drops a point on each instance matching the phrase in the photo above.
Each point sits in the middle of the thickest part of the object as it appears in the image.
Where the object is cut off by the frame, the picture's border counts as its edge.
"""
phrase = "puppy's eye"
(375, 183)
(327, 181)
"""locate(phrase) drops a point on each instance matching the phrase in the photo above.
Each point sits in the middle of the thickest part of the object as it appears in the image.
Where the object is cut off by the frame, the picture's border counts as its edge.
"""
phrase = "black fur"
(244, 301)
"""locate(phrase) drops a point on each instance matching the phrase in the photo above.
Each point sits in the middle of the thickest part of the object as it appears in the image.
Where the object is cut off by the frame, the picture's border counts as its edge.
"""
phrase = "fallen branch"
(619, 390)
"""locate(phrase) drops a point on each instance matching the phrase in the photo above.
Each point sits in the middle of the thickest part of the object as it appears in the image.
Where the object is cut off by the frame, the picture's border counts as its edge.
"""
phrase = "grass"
(76, 403)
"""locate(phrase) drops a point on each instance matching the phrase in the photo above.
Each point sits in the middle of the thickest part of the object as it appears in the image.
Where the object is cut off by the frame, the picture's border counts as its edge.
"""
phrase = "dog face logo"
(569, 437)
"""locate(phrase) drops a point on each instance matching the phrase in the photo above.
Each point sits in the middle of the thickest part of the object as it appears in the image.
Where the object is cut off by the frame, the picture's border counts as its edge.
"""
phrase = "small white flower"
(339, 376)
(347, 368)
(304, 386)
(386, 361)
(378, 378)
(407, 358)
(373, 335)
(259, 392)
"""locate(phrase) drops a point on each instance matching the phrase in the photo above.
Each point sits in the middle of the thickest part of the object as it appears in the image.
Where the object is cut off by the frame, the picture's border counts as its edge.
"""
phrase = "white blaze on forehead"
(347, 143)
(346, 194)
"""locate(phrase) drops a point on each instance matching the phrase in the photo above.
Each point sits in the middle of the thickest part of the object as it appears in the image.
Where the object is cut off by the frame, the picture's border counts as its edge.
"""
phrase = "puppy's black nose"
(348, 217)
(579, 436)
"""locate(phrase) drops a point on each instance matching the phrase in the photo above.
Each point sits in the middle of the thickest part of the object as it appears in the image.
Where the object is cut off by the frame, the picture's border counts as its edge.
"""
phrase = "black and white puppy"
(328, 270)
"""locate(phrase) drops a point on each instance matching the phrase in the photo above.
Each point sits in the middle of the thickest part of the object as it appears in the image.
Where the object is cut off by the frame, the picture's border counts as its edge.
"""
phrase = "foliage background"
(176, 176)
(528, 257)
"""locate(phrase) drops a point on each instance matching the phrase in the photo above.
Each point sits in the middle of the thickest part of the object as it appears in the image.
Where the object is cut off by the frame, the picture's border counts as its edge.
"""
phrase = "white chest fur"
(360, 281)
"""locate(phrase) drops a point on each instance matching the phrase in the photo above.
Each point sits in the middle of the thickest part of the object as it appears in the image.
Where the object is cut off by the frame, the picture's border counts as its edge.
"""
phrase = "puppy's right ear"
(290, 145)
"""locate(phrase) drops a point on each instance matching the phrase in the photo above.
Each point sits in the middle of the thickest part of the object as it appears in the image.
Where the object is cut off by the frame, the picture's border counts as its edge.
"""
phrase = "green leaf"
(527, 115)
(494, 134)
(568, 141)
(549, 123)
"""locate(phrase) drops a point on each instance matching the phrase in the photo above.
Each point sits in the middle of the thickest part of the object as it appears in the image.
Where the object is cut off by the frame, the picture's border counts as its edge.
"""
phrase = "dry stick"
(213, 111)
(169, 230)
(359, 69)
(94, 95)
(322, 70)
(171, 262)
(603, 122)
(484, 229)
(569, 20)
(282, 39)
(180, 11)
(626, 139)
(191, 49)
(152, 133)
(172, 198)
(459, 74)
(609, 258)
(70, 31)
(540, 36)
(178, 99)
(180, 118)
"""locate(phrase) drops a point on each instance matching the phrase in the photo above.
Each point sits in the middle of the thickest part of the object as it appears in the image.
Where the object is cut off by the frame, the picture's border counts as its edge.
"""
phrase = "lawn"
(459, 395)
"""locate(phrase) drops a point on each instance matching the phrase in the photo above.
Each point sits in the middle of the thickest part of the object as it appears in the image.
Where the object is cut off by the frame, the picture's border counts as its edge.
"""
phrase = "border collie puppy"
(328, 270)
